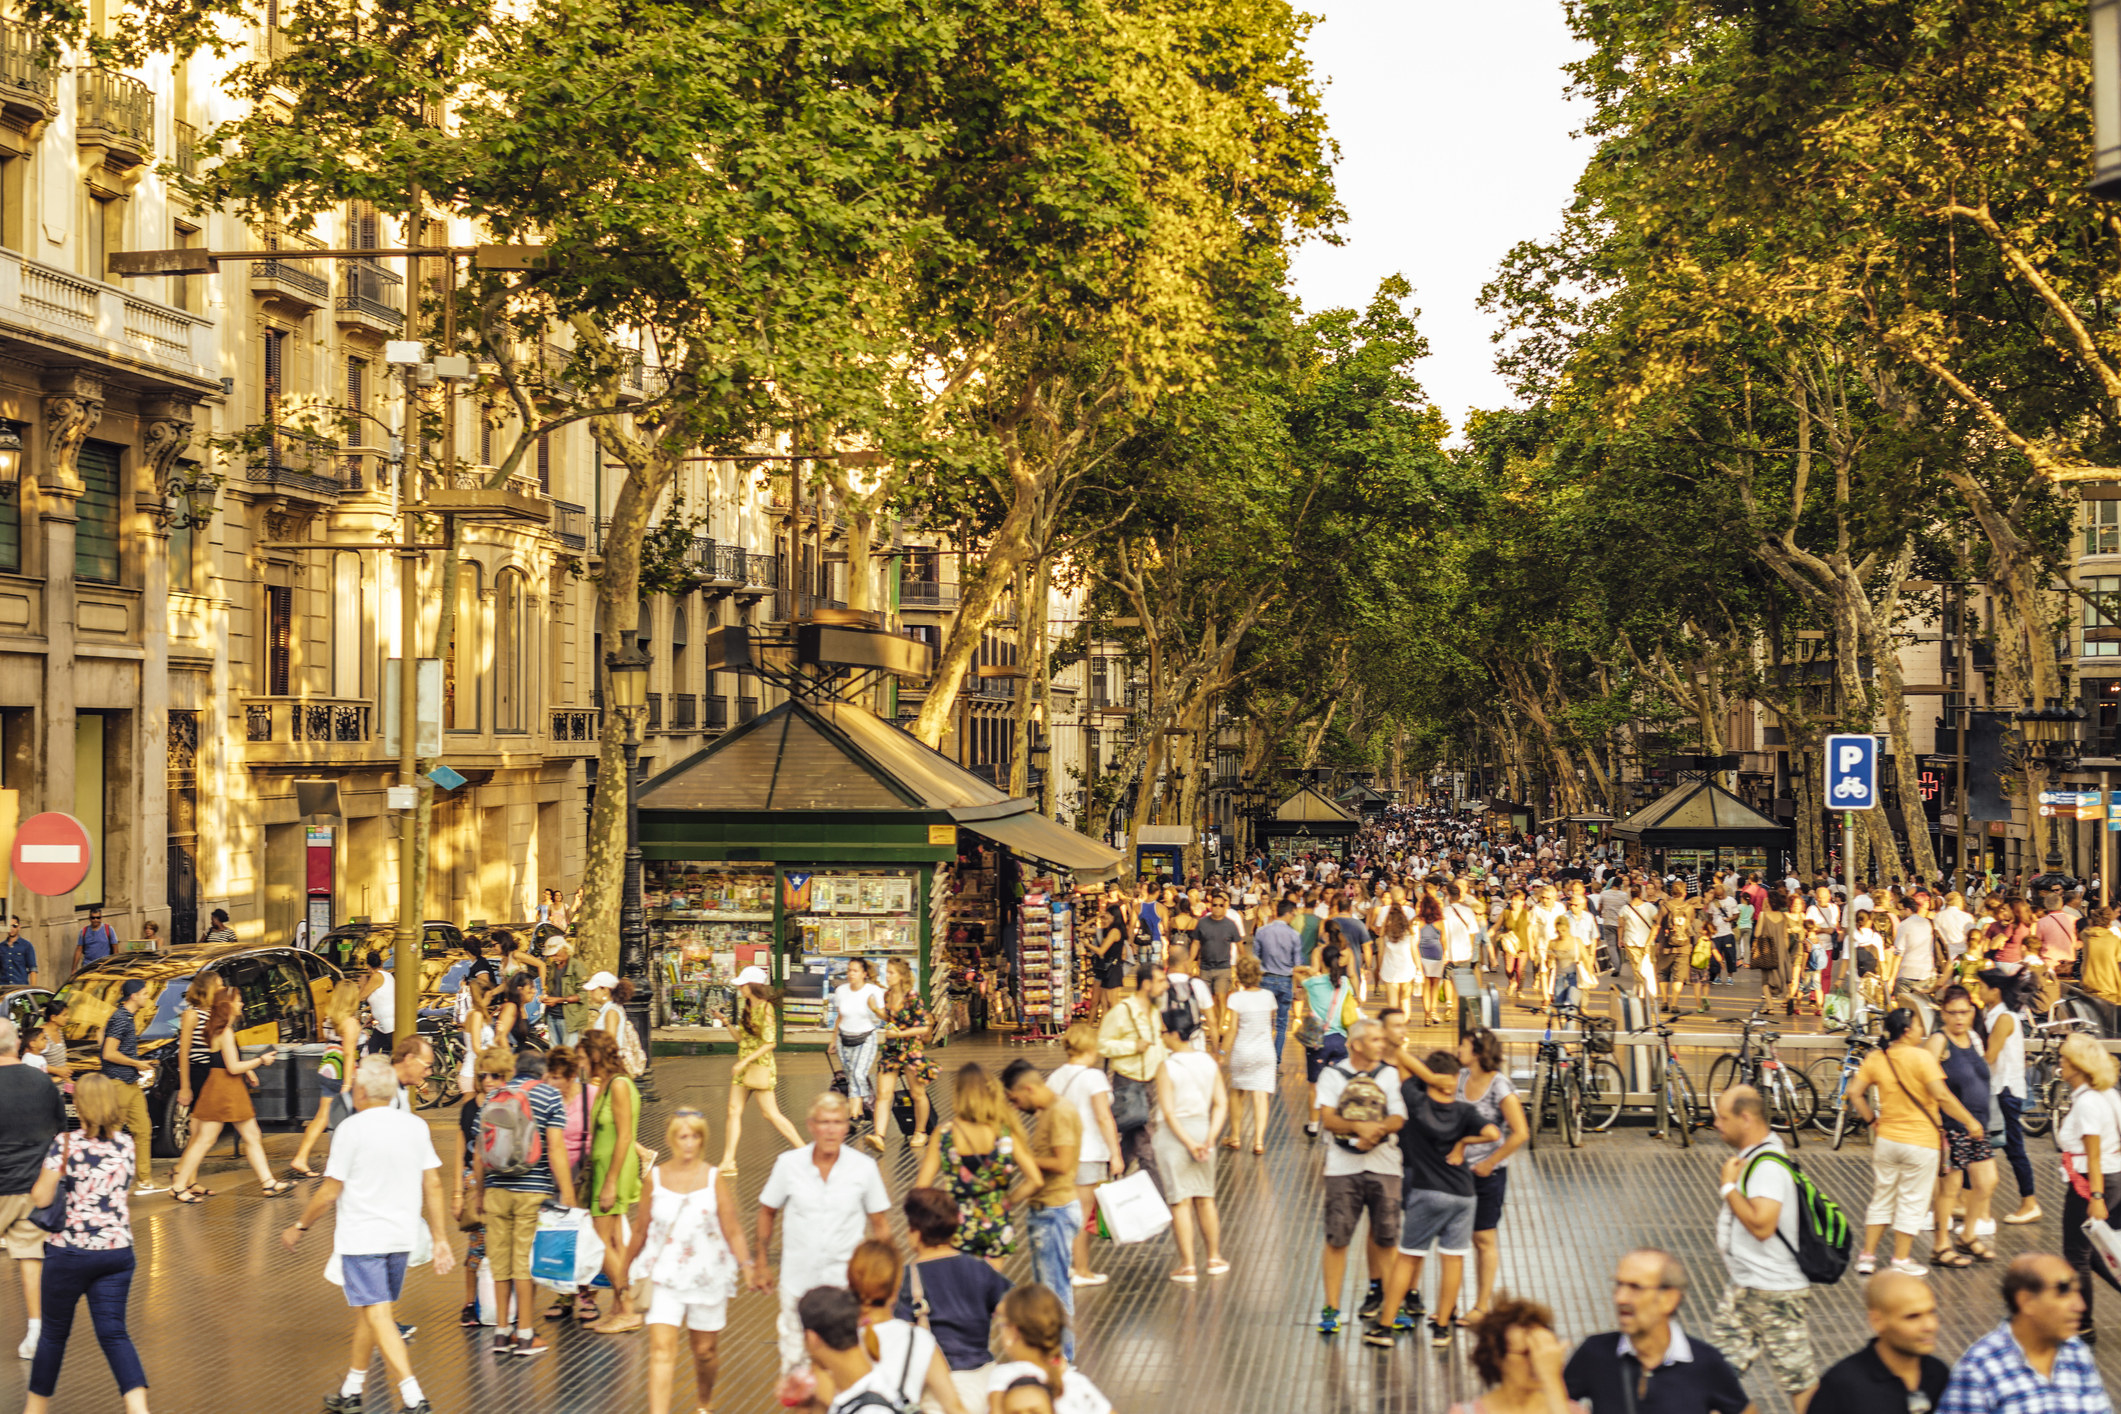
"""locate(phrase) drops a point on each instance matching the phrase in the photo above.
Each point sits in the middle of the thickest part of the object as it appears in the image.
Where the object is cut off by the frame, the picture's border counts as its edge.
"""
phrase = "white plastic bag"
(564, 1235)
(1132, 1208)
(487, 1314)
(2106, 1246)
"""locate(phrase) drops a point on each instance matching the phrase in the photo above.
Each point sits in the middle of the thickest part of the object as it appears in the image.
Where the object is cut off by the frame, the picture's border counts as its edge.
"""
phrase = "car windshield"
(90, 1002)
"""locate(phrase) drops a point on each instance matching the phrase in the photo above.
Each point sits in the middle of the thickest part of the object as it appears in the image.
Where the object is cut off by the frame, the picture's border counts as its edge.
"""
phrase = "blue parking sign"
(1852, 772)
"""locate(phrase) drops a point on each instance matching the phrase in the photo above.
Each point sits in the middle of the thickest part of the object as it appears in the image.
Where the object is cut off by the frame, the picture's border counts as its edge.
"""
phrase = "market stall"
(819, 832)
(1698, 829)
(1307, 823)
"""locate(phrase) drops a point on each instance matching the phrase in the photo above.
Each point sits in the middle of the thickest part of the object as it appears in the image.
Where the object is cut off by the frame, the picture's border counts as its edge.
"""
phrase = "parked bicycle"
(1583, 1091)
(1790, 1098)
(1830, 1079)
(1683, 1108)
(2046, 1093)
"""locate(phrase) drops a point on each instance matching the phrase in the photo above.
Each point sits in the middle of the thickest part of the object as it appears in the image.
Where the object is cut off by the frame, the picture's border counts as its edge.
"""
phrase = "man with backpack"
(1761, 1232)
(1359, 1105)
(521, 1126)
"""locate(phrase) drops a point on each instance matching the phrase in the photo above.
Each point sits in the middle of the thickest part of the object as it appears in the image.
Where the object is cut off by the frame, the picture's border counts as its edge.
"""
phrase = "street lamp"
(2046, 741)
(10, 461)
(626, 672)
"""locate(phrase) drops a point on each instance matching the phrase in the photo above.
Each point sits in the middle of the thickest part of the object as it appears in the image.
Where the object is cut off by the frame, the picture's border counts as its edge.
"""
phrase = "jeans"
(1565, 985)
(556, 1024)
(1726, 952)
(2076, 1250)
(2014, 1141)
(106, 1279)
(1283, 990)
(1052, 1255)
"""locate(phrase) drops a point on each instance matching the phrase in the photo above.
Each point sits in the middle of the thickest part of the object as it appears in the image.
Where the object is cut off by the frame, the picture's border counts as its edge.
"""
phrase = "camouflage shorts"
(1750, 1323)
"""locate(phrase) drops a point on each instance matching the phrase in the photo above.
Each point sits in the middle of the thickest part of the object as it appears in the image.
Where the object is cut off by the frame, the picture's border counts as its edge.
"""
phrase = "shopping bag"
(566, 1251)
(487, 1314)
(1132, 1209)
(2106, 1246)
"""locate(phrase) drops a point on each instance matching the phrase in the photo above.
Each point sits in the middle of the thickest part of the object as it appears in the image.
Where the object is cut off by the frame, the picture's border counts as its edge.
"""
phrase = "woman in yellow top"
(1908, 1151)
(756, 1072)
(1517, 926)
(2099, 956)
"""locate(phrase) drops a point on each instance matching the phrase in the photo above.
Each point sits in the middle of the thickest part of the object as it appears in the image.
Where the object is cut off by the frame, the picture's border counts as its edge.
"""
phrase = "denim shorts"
(373, 1280)
(1488, 1194)
(1443, 1221)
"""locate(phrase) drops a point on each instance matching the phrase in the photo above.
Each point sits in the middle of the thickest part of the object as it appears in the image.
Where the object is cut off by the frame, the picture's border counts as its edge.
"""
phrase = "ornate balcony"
(369, 298)
(291, 279)
(570, 524)
(29, 87)
(296, 462)
(575, 731)
(116, 120)
(301, 731)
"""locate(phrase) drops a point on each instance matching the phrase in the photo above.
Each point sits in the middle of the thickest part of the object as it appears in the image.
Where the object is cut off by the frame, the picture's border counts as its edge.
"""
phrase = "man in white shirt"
(1763, 1308)
(1822, 924)
(1611, 902)
(829, 1198)
(1915, 938)
(1362, 1168)
(382, 1006)
(1953, 923)
(382, 1172)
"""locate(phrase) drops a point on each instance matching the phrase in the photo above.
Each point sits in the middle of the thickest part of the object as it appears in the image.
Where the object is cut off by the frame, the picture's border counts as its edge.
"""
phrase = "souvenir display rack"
(870, 913)
(1045, 952)
(706, 923)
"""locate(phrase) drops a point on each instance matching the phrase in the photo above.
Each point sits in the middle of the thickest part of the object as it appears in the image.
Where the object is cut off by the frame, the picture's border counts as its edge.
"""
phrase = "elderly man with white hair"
(31, 1113)
(829, 1198)
(382, 1173)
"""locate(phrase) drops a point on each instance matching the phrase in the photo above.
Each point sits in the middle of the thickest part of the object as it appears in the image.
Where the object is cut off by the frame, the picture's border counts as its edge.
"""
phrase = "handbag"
(52, 1216)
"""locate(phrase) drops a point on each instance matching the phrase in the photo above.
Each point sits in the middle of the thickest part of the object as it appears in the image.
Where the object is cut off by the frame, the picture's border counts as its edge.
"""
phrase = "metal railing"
(293, 272)
(22, 66)
(700, 556)
(762, 571)
(366, 288)
(298, 459)
(746, 709)
(714, 714)
(571, 524)
(187, 147)
(301, 719)
(927, 594)
(118, 105)
(684, 711)
(1003, 688)
(576, 723)
(655, 711)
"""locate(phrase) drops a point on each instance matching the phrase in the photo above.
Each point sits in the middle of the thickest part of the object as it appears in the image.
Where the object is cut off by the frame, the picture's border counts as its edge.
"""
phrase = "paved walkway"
(226, 1320)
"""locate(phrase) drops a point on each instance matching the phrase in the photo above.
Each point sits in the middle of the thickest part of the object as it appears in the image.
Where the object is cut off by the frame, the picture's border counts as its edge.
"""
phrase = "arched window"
(461, 690)
(680, 668)
(508, 665)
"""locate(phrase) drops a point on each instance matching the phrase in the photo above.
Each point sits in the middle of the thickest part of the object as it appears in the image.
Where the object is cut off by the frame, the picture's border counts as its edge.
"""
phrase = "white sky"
(1455, 144)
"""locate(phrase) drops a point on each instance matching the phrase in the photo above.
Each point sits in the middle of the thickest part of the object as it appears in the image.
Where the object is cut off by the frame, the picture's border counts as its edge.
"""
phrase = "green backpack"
(1824, 1237)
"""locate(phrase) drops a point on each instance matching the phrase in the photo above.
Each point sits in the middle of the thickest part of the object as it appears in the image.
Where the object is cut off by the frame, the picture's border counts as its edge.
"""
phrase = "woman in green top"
(614, 1166)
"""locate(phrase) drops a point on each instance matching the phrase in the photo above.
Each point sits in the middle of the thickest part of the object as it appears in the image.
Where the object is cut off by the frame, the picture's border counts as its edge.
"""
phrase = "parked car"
(285, 991)
(24, 1006)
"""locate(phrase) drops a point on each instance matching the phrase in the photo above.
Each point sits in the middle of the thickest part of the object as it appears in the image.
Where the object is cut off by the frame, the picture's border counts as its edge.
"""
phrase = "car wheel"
(173, 1130)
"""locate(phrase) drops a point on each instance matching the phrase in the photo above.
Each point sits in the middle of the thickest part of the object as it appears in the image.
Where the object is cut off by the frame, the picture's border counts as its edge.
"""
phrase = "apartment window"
(460, 688)
(486, 435)
(364, 228)
(274, 385)
(106, 225)
(346, 624)
(2102, 616)
(2102, 527)
(508, 652)
(680, 674)
(96, 532)
(181, 293)
(11, 535)
(544, 463)
(357, 387)
(279, 639)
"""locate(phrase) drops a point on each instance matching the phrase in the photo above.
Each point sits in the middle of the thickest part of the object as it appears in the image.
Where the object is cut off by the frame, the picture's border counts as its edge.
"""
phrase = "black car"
(285, 993)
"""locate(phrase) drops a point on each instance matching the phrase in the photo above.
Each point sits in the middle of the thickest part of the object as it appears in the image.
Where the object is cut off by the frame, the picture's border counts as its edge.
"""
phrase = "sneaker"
(1439, 1334)
(1985, 1228)
(1411, 1308)
(27, 1350)
(1311, 1132)
(503, 1342)
(1329, 1321)
(1377, 1335)
(1866, 1264)
(1373, 1302)
(469, 1316)
(1910, 1268)
(423, 1407)
(149, 1187)
(1404, 1324)
(1088, 1278)
(531, 1345)
(406, 1333)
(342, 1404)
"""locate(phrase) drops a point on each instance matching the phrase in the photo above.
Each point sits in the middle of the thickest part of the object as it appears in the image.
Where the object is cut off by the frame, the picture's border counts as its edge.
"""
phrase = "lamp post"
(2047, 742)
(627, 673)
(10, 460)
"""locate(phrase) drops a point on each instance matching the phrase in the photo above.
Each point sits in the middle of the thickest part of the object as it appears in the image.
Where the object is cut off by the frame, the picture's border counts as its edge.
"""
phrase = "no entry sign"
(51, 854)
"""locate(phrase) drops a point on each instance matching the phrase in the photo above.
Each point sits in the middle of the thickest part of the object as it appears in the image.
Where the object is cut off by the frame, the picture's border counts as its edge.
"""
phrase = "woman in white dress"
(1397, 968)
(692, 1250)
(1250, 1043)
(1192, 1105)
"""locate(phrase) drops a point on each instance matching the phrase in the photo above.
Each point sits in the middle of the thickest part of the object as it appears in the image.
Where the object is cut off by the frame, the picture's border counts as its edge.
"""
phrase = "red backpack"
(510, 1140)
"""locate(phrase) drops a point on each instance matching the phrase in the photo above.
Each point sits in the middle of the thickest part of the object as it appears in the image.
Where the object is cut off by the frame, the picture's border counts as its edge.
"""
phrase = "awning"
(1033, 834)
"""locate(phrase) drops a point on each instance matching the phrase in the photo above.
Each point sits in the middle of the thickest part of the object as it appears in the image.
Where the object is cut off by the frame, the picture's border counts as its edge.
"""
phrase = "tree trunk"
(1020, 714)
(1010, 547)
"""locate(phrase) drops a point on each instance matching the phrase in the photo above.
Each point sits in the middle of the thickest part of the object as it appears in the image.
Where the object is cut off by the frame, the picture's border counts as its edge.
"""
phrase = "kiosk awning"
(1041, 838)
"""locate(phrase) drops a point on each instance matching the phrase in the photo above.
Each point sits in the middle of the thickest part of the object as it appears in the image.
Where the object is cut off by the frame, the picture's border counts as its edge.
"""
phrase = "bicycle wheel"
(1605, 1089)
(1569, 1112)
(1685, 1104)
(1723, 1074)
(1794, 1097)
(2055, 1100)
(1825, 1075)
(2035, 1118)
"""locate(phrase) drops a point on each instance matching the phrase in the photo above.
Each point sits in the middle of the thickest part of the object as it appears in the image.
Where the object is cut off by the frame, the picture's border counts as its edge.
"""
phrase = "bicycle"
(1681, 1102)
(1830, 1079)
(2046, 1093)
(1790, 1098)
(447, 1041)
(1585, 1093)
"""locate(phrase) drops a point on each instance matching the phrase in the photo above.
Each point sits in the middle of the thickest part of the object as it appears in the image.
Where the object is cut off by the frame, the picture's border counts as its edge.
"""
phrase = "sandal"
(276, 1188)
(585, 1309)
(1980, 1251)
(555, 1311)
(302, 1171)
(616, 1324)
(1259, 1148)
(1468, 1318)
(190, 1195)
(1946, 1257)
(1230, 1143)
(1218, 1268)
(1186, 1276)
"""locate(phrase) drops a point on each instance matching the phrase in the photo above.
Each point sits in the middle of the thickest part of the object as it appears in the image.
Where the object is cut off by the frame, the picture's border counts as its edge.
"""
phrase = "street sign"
(444, 777)
(52, 854)
(1852, 772)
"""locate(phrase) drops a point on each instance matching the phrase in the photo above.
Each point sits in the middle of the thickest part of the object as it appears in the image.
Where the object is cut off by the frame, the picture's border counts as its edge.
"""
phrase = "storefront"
(1307, 823)
(1700, 829)
(818, 833)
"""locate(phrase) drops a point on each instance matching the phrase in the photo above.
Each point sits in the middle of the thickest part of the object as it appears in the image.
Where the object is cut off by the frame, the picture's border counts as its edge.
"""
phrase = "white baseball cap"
(602, 979)
(751, 977)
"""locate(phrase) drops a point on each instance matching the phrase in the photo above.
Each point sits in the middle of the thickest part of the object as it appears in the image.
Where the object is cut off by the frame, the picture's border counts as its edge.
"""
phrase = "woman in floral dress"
(906, 1028)
(975, 1159)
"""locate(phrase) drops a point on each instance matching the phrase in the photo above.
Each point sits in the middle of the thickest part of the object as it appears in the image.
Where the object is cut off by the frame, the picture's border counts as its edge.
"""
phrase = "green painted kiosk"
(815, 833)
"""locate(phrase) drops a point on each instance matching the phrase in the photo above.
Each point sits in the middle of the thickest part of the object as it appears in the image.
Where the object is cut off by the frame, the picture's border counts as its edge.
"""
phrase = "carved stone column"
(165, 432)
(73, 405)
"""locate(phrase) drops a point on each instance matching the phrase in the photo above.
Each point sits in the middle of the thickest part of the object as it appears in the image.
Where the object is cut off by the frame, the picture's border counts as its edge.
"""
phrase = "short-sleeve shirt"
(831, 1214)
(1694, 1378)
(1080, 1085)
(1385, 1158)
(962, 1293)
(126, 1032)
(1994, 1377)
(2093, 1112)
(31, 1114)
(1916, 937)
(1763, 1264)
(852, 1008)
(98, 1173)
(98, 943)
(548, 1112)
(1490, 1107)
(1427, 1138)
(1862, 1384)
(380, 1156)
(1218, 940)
(1059, 1127)
(1906, 1113)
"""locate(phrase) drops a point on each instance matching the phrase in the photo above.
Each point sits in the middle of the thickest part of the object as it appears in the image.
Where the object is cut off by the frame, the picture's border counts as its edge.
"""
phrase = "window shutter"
(279, 638)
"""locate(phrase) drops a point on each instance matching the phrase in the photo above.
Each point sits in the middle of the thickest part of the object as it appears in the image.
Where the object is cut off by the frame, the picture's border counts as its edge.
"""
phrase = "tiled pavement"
(226, 1320)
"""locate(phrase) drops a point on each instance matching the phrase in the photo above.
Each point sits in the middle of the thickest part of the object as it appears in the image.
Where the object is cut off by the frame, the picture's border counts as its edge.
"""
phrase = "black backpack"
(1824, 1237)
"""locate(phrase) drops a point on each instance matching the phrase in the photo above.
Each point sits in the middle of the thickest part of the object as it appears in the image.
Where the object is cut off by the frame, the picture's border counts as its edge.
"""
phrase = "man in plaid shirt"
(2034, 1363)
